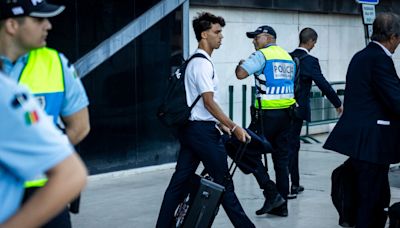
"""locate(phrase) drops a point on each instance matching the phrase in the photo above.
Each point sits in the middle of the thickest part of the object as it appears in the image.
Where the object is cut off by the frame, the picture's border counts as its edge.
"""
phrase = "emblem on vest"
(42, 101)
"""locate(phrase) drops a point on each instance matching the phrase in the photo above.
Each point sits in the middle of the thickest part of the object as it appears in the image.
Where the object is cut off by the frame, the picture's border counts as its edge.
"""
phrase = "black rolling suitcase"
(394, 215)
(202, 203)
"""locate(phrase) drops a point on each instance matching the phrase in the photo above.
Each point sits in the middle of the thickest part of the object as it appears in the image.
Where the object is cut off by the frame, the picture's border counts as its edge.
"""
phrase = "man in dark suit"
(309, 71)
(369, 129)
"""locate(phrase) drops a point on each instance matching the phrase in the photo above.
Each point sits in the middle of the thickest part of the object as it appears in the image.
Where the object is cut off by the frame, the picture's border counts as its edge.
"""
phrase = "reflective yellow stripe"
(43, 72)
(35, 183)
(275, 52)
(276, 104)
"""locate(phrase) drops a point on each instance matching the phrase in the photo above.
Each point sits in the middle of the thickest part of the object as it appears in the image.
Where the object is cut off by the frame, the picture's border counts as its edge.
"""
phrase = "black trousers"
(61, 220)
(201, 141)
(294, 141)
(276, 125)
(373, 193)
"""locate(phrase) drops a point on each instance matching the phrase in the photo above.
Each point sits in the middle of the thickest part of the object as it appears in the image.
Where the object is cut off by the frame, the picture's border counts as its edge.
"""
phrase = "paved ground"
(132, 198)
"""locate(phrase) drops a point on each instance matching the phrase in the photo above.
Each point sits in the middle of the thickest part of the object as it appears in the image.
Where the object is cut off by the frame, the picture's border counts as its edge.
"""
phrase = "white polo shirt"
(200, 77)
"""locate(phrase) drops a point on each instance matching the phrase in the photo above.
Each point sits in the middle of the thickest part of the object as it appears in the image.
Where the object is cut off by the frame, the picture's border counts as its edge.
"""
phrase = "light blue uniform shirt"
(27, 148)
(255, 63)
(75, 95)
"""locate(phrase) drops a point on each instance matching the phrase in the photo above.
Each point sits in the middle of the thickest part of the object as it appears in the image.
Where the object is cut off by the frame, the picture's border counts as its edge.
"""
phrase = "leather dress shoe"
(296, 189)
(291, 196)
(269, 205)
(281, 211)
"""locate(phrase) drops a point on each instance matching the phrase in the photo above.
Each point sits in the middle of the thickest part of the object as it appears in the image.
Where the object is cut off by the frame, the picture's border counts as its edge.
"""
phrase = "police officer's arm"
(240, 72)
(74, 111)
(77, 125)
(216, 111)
(65, 181)
(253, 64)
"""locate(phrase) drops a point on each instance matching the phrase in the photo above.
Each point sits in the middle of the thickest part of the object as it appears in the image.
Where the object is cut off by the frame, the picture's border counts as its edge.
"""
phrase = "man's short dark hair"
(307, 34)
(385, 25)
(204, 21)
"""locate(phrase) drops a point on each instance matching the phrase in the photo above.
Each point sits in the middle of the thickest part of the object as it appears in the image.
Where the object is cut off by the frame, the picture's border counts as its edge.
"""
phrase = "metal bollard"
(244, 108)
(231, 102)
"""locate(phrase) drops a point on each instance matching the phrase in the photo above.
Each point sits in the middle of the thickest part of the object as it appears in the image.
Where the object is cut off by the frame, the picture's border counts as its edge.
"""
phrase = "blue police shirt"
(254, 64)
(29, 144)
(75, 95)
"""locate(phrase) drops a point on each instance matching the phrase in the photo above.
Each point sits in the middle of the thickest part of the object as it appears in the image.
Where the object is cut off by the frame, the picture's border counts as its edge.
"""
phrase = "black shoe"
(271, 204)
(291, 196)
(294, 190)
(281, 211)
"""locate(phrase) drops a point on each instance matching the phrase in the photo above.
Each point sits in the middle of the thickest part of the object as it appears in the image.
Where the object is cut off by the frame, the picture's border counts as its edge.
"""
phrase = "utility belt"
(257, 113)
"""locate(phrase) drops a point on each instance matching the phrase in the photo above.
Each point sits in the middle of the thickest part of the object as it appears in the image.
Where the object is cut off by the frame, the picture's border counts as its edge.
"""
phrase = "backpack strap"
(303, 56)
(198, 55)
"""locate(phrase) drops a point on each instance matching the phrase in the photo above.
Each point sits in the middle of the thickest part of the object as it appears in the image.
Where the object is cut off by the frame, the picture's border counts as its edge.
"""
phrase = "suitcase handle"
(241, 150)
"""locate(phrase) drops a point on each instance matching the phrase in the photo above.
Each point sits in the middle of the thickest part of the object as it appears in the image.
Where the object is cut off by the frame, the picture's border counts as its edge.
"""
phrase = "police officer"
(273, 70)
(30, 144)
(23, 30)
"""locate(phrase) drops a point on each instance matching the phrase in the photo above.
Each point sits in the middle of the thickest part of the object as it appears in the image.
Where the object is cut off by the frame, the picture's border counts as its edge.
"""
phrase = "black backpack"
(173, 110)
(297, 60)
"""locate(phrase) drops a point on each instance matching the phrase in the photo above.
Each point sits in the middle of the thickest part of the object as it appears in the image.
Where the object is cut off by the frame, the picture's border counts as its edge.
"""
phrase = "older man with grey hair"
(369, 129)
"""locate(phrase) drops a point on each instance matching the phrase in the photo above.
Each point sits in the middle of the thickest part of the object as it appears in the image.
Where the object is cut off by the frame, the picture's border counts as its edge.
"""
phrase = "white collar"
(304, 49)
(384, 48)
(199, 50)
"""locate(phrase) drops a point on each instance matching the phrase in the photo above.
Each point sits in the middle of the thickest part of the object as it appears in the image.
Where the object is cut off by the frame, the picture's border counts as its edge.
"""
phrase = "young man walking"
(310, 71)
(200, 139)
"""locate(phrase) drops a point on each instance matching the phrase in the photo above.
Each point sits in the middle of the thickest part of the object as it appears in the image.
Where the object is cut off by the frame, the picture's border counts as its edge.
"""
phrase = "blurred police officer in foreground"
(48, 75)
(30, 144)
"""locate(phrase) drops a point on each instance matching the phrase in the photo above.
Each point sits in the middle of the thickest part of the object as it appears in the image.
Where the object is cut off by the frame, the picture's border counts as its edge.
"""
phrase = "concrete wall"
(340, 37)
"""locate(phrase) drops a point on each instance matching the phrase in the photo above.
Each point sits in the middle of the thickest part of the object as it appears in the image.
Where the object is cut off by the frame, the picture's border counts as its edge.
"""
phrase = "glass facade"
(124, 91)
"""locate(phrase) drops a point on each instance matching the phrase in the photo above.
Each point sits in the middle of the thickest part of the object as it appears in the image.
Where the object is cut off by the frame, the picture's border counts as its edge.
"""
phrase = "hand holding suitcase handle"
(240, 134)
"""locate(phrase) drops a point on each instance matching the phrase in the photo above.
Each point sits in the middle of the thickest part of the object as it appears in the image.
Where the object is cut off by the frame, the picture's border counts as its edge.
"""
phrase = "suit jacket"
(311, 71)
(369, 129)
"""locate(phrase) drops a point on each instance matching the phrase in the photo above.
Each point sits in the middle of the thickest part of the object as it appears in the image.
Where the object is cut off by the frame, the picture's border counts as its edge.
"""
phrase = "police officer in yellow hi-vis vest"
(274, 72)
(24, 27)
